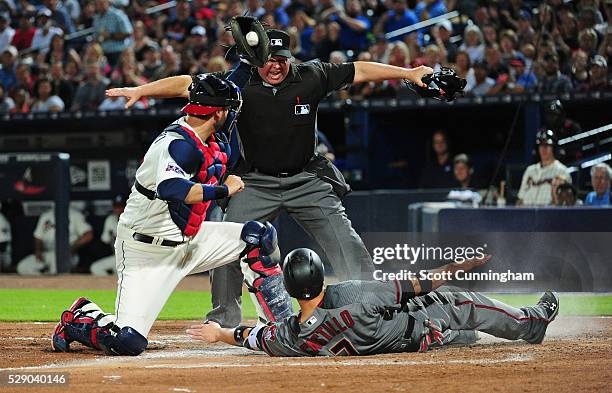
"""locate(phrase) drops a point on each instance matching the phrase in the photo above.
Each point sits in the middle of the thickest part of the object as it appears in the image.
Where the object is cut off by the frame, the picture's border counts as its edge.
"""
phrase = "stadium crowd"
(50, 63)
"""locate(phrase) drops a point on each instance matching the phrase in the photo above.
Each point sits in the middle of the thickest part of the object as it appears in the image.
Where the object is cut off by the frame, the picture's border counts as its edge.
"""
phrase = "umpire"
(278, 163)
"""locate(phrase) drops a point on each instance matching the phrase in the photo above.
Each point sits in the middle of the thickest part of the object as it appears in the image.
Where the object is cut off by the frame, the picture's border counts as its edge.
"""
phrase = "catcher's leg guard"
(265, 281)
(83, 322)
(126, 341)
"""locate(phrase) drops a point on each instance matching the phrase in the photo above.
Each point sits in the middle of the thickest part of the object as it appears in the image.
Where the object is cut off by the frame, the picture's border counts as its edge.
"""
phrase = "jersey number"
(344, 348)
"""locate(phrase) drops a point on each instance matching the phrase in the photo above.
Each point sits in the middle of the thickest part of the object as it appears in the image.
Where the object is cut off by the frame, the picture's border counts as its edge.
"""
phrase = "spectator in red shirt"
(24, 33)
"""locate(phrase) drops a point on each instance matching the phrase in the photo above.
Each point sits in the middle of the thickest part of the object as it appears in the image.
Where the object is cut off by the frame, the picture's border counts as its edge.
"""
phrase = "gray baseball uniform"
(367, 317)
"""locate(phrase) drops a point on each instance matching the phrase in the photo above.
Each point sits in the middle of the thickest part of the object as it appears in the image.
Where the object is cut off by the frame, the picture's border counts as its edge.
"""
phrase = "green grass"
(47, 305)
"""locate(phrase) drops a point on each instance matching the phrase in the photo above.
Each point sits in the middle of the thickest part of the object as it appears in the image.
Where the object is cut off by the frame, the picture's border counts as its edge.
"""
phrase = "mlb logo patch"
(302, 109)
(276, 42)
(311, 321)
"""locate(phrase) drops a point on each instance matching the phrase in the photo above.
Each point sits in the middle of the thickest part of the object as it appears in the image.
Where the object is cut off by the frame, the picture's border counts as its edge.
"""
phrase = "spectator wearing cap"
(537, 183)
(59, 15)
(45, 31)
(44, 100)
(90, 93)
(112, 29)
(482, 82)
(6, 31)
(354, 26)
(463, 172)
(553, 81)
(197, 42)
(398, 17)
(601, 175)
(473, 43)
(598, 74)
(441, 33)
(525, 80)
(524, 30)
(8, 77)
(107, 266)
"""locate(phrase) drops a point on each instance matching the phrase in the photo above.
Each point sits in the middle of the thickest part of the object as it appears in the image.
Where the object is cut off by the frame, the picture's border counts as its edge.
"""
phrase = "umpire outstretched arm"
(178, 86)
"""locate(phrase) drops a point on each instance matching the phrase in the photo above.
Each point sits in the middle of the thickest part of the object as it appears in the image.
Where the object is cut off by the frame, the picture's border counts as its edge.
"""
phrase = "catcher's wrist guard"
(443, 85)
(256, 55)
(238, 334)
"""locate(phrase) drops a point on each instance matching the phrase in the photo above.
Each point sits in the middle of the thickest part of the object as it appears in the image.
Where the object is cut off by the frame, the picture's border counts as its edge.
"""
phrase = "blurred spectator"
(273, 8)
(21, 98)
(95, 54)
(142, 41)
(113, 29)
(564, 194)
(482, 83)
(61, 86)
(463, 172)
(8, 77)
(537, 183)
(508, 43)
(45, 101)
(43, 259)
(59, 15)
(441, 33)
(553, 81)
(598, 75)
(90, 93)
(196, 43)
(151, 63)
(5, 243)
(107, 265)
(579, 70)
(6, 102)
(354, 26)
(432, 57)
(58, 52)
(254, 9)
(324, 147)
(6, 31)
(524, 29)
(601, 174)
(337, 57)
(24, 76)
(396, 18)
(178, 26)
(24, 34)
(587, 41)
(427, 9)
(170, 63)
(524, 79)
(490, 34)
(493, 57)
(438, 172)
(473, 43)
(464, 69)
(45, 31)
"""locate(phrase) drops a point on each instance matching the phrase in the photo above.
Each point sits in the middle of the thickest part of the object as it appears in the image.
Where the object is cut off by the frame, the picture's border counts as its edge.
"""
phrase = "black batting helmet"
(209, 93)
(546, 137)
(303, 274)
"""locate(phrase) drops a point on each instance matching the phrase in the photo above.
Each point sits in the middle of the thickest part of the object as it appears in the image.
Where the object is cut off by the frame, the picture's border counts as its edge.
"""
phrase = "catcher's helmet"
(546, 137)
(209, 93)
(303, 273)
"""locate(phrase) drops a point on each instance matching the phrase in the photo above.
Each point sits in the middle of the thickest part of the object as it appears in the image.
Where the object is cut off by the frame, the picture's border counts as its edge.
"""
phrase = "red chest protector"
(213, 158)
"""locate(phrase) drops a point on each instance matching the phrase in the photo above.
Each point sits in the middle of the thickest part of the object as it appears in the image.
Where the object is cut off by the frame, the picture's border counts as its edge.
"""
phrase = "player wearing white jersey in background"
(162, 235)
(106, 265)
(43, 259)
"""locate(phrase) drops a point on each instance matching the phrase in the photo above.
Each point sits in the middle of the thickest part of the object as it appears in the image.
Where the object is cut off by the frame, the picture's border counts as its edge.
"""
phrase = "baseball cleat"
(59, 341)
(550, 302)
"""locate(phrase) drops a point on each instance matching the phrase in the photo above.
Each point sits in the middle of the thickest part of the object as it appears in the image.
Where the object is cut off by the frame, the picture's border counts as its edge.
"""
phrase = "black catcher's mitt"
(256, 55)
(443, 85)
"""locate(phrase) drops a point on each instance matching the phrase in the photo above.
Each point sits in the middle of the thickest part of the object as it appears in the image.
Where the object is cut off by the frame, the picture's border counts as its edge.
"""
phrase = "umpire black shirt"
(277, 123)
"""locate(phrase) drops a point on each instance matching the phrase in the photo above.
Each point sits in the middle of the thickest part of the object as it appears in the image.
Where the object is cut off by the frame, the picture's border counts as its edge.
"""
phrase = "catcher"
(370, 317)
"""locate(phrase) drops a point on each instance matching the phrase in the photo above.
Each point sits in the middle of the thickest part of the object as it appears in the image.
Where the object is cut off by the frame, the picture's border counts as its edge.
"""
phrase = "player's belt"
(155, 240)
(145, 191)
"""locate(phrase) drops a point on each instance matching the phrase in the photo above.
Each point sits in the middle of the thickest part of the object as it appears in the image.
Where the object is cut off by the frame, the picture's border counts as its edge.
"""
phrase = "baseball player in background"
(43, 259)
(370, 317)
(162, 235)
(5, 243)
(107, 266)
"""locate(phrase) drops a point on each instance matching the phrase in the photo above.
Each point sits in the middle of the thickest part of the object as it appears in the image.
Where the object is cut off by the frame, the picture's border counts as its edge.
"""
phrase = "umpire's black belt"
(279, 174)
(152, 240)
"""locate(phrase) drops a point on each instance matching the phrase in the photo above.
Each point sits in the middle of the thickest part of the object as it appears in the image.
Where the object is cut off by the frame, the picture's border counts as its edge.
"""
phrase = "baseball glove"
(256, 55)
(443, 85)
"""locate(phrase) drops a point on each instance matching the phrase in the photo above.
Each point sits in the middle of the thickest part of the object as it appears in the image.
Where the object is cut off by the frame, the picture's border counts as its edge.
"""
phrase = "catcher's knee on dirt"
(262, 274)
(126, 342)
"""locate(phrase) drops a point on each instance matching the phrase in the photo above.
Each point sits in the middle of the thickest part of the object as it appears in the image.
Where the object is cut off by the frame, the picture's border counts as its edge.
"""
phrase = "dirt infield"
(577, 356)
